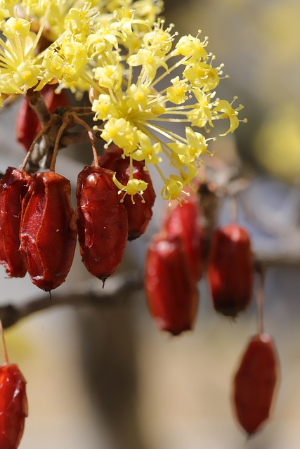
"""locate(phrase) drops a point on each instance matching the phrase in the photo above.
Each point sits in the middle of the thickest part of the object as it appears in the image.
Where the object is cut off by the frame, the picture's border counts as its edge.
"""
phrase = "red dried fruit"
(230, 270)
(140, 212)
(184, 221)
(28, 124)
(171, 292)
(255, 383)
(13, 405)
(13, 187)
(101, 221)
(48, 230)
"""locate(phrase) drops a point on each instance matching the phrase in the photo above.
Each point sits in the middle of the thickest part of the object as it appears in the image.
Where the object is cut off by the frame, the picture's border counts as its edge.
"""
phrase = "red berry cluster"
(174, 266)
(38, 226)
(175, 263)
(38, 234)
(176, 256)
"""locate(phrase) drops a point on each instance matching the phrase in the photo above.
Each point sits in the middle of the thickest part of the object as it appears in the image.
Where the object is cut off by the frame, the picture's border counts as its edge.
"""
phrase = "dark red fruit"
(255, 383)
(101, 221)
(28, 124)
(184, 221)
(140, 212)
(13, 406)
(48, 230)
(230, 269)
(171, 291)
(13, 188)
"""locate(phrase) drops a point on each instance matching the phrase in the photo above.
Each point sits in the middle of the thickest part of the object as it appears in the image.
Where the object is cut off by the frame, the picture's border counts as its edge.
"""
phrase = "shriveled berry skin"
(184, 221)
(170, 289)
(255, 383)
(13, 406)
(13, 188)
(230, 270)
(48, 230)
(27, 123)
(140, 212)
(101, 221)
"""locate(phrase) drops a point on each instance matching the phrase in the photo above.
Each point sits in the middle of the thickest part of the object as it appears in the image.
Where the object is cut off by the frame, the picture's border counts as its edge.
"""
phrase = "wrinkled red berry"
(171, 291)
(101, 221)
(184, 221)
(13, 187)
(27, 123)
(140, 212)
(13, 406)
(48, 230)
(255, 383)
(230, 270)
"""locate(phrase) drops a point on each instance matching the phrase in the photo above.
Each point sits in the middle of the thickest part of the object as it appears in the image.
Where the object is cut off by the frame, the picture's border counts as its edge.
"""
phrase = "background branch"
(85, 294)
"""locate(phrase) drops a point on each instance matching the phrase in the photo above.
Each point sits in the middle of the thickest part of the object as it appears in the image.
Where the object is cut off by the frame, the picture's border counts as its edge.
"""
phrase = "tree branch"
(85, 294)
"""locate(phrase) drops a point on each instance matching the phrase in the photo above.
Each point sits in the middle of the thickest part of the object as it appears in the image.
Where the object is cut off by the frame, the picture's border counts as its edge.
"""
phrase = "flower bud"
(184, 221)
(255, 383)
(230, 270)
(48, 230)
(140, 212)
(13, 187)
(171, 291)
(101, 221)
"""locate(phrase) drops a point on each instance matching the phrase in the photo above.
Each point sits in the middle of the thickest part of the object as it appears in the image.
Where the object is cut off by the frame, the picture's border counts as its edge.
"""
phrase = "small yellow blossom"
(104, 108)
(228, 112)
(172, 189)
(122, 133)
(109, 77)
(133, 187)
(147, 151)
(202, 75)
(202, 113)
(191, 47)
(195, 146)
(13, 26)
(149, 61)
(177, 93)
(137, 97)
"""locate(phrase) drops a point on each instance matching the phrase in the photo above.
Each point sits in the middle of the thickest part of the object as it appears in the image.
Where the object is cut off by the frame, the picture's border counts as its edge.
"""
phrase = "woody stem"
(37, 103)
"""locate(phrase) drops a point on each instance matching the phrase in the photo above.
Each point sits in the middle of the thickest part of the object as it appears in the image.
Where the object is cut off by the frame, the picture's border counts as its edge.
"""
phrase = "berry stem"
(260, 299)
(5, 355)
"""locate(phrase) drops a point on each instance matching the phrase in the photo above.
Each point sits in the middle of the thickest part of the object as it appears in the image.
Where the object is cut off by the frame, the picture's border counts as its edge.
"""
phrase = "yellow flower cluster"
(143, 78)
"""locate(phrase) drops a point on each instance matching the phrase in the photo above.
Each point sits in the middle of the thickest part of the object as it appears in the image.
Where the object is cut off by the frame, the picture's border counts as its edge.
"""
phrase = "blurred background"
(107, 378)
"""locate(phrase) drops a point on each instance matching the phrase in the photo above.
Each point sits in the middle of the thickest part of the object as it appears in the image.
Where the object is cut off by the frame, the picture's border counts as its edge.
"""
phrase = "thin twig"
(85, 294)
(37, 103)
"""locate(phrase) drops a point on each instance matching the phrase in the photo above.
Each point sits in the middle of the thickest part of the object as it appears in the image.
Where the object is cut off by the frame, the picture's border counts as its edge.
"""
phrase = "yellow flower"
(147, 151)
(19, 69)
(195, 146)
(228, 112)
(172, 189)
(149, 61)
(191, 47)
(122, 133)
(133, 187)
(140, 113)
(177, 93)
(116, 48)
(104, 108)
